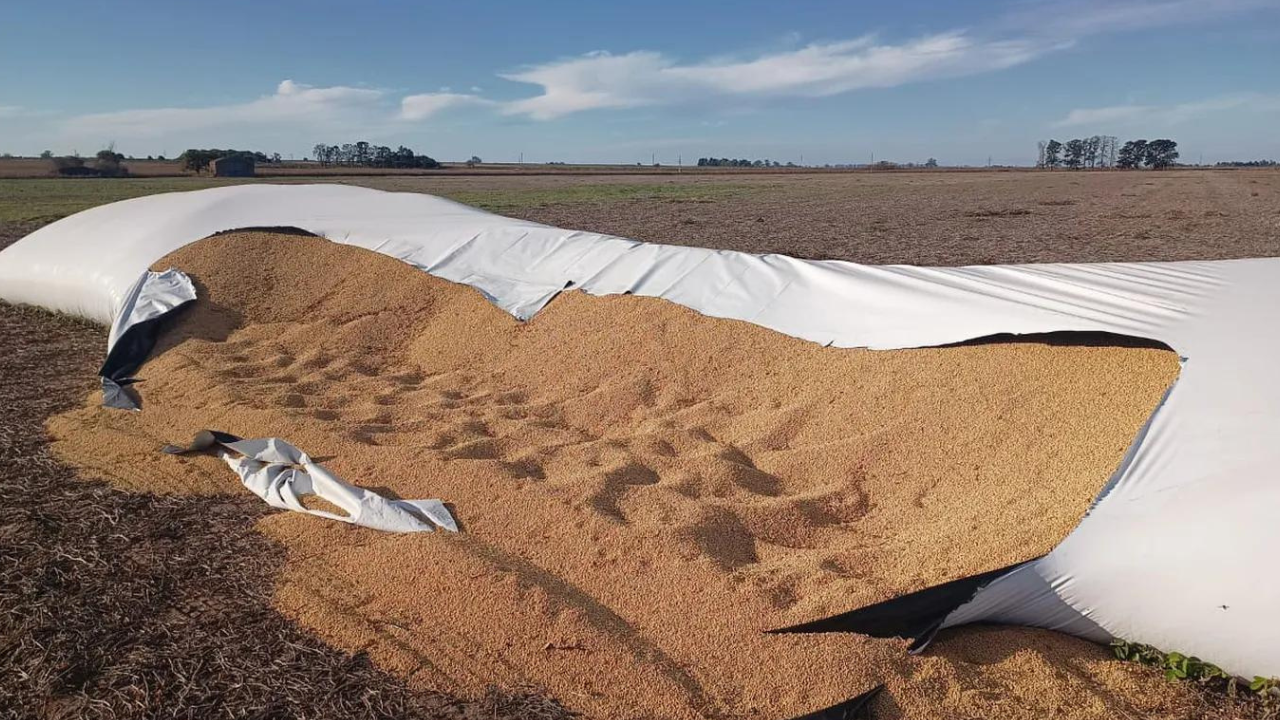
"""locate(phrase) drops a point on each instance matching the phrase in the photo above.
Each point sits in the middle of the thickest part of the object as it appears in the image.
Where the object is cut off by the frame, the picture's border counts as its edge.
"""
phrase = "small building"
(233, 166)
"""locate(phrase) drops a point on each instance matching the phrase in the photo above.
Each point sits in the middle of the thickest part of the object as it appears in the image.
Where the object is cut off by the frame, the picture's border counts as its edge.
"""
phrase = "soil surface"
(963, 218)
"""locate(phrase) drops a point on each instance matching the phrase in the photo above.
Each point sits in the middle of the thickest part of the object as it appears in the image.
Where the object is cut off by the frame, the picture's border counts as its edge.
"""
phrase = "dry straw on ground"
(644, 490)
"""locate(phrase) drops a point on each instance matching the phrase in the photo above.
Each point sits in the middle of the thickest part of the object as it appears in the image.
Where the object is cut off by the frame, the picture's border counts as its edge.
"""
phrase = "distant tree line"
(1092, 152)
(363, 154)
(727, 162)
(1248, 163)
(197, 160)
(891, 165)
(106, 163)
(1103, 151)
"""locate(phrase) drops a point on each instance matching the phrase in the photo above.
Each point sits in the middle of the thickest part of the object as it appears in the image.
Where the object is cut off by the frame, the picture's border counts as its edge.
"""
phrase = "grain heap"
(642, 489)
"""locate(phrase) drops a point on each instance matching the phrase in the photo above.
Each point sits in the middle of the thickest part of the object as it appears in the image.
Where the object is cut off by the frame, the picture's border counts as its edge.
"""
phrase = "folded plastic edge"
(916, 616)
(150, 302)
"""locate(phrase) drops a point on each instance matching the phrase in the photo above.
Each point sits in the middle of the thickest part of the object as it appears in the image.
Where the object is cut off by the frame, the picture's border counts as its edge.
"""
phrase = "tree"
(108, 162)
(1132, 154)
(1074, 152)
(737, 162)
(1051, 150)
(931, 163)
(365, 154)
(1092, 151)
(46, 155)
(1160, 154)
(1109, 150)
(196, 160)
(473, 161)
(68, 165)
(1247, 163)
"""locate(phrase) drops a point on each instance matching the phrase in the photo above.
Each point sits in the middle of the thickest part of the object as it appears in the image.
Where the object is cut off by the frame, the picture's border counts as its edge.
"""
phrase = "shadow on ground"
(120, 605)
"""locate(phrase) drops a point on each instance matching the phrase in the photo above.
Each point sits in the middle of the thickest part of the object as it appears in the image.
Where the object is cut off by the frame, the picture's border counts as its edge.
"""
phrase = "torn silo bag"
(282, 475)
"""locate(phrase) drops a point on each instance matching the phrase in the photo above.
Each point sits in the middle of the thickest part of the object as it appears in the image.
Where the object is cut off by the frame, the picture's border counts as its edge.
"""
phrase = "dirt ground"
(80, 564)
(923, 218)
(964, 218)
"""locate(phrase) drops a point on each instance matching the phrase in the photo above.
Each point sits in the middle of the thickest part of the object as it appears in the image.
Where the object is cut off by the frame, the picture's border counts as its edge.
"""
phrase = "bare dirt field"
(119, 603)
(946, 218)
(924, 218)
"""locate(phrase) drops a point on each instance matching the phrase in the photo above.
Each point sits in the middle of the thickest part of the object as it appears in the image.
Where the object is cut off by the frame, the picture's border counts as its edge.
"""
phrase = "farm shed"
(233, 166)
(1162, 556)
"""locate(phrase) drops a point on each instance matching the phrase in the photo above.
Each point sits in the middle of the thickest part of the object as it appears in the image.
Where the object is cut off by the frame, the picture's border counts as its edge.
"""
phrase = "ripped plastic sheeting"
(1170, 553)
(283, 475)
(154, 294)
(134, 331)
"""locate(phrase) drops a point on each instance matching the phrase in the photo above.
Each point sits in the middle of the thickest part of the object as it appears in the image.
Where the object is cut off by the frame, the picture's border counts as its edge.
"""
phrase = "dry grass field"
(116, 604)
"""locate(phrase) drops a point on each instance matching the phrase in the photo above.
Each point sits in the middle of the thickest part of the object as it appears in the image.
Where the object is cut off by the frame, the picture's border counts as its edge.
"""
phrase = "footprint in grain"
(524, 469)
(481, 449)
(615, 484)
(719, 535)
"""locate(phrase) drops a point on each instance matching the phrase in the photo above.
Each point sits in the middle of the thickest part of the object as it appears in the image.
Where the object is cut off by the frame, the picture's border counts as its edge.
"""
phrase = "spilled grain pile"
(643, 490)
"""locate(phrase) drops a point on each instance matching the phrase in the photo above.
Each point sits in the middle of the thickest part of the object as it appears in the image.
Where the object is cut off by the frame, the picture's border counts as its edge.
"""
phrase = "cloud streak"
(291, 103)
(602, 80)
(1078, 18)
(1131, 115)
(427, 105)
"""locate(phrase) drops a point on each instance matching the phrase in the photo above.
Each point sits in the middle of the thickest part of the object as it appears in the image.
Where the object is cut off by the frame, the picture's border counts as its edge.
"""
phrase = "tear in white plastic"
(153, 295)
(282, 475)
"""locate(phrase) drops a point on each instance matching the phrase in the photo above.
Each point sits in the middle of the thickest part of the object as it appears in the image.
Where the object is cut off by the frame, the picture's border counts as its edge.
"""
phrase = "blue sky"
(616, 82)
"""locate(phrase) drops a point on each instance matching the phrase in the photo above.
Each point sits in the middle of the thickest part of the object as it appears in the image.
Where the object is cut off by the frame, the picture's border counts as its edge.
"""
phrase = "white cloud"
(421, 107)
(1097, 116)
(1129, 115)
(8, 111)
(292, 104)
(1076, 18)
(603, 80)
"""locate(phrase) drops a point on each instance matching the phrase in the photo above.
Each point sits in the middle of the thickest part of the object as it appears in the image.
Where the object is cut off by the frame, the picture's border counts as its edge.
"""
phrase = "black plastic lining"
(202, 441)
(1067, 338)
(852, 709)
(915, 616)
(127, 356)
